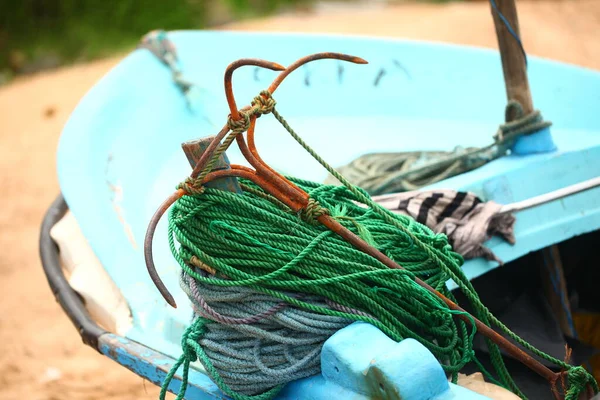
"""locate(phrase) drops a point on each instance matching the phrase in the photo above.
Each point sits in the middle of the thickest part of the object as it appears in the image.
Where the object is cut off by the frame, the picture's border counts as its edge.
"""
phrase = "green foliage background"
(61, 31)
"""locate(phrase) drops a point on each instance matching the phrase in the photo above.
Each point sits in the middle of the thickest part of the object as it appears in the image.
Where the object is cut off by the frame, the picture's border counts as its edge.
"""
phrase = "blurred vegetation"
(39, 34)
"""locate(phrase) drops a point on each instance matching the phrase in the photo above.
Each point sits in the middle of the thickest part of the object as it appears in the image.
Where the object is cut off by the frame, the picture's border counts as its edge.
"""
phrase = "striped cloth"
(463, 217)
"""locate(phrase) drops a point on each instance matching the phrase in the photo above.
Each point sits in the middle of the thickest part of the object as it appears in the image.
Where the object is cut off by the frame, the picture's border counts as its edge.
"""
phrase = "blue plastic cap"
(535, 143)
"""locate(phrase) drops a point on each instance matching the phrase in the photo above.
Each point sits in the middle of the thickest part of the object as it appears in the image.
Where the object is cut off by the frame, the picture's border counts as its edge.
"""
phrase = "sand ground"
(41, 355)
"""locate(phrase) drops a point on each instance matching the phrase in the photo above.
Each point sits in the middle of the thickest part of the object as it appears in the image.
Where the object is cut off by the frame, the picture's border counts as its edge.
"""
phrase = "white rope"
(551, 196)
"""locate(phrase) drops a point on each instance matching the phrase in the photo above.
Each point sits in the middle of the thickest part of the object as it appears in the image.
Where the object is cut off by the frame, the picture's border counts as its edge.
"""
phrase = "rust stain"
(380, 388)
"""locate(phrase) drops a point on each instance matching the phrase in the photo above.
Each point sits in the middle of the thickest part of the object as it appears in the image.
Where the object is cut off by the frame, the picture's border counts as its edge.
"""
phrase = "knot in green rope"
(191, 352)
(264, 103)
(190, 338)
(312, 212)
(578, 379)
(521, 125)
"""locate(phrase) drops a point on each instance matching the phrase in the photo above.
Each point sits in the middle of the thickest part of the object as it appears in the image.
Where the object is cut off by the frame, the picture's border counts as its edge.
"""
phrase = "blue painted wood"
(119, 155)
(405, 370)
(383, 368)
(154, 366)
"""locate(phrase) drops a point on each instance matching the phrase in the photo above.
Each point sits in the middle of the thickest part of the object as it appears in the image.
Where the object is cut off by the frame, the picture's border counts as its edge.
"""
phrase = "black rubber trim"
(68, 299)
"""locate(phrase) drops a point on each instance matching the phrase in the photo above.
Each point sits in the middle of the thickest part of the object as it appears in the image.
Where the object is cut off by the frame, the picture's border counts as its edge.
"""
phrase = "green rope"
(269, 245)
(252, 240)
(192, 351)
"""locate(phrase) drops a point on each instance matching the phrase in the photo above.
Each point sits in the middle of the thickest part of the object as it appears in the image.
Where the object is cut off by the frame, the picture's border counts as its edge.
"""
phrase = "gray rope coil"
(257, 341)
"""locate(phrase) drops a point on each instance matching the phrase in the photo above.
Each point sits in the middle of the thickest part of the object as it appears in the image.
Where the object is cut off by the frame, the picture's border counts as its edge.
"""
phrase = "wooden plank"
(513, 60)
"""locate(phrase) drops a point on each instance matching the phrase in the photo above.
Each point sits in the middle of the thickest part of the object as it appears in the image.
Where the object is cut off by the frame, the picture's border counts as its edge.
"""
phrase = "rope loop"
(189, 338)
(578, 379)
(240, 125)
(522, 125)
(513, 106)
(312, 212)
(264, 103)
(191, 186)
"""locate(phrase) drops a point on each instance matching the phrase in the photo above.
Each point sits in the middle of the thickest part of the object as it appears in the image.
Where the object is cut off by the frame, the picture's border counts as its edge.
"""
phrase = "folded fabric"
(463, 217)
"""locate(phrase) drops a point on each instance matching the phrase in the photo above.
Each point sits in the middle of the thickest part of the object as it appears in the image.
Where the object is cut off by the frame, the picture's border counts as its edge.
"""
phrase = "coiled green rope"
(254, 241)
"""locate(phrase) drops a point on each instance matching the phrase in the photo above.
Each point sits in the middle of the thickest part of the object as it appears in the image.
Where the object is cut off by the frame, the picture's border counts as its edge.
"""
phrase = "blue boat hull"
(120, 156)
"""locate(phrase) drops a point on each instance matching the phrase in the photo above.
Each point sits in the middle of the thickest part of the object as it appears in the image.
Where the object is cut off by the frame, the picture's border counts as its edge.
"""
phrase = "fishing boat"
(120, 155)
